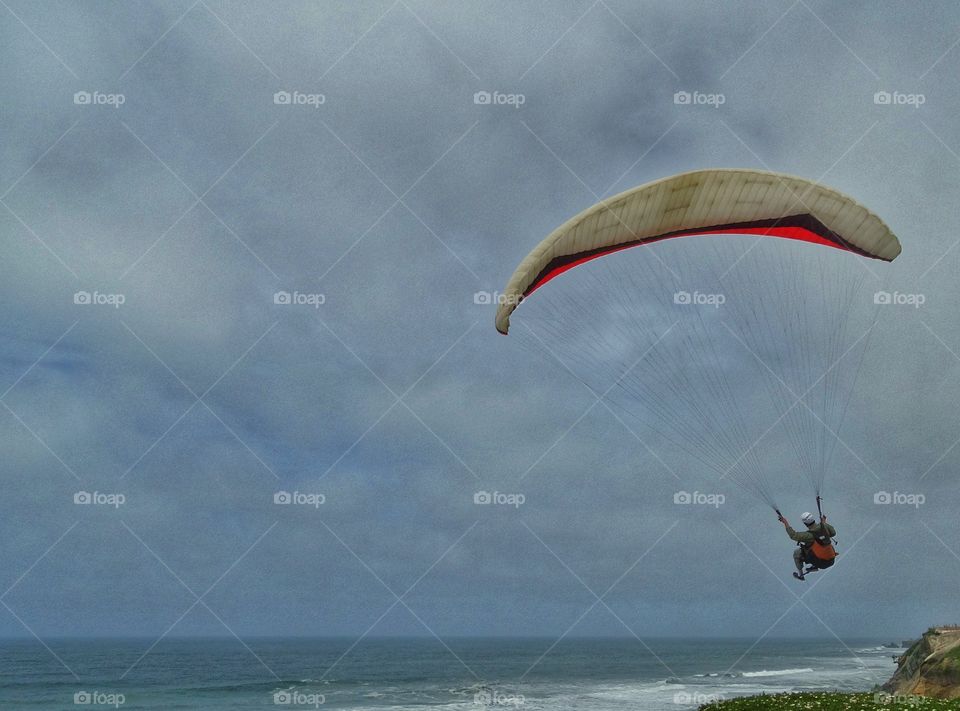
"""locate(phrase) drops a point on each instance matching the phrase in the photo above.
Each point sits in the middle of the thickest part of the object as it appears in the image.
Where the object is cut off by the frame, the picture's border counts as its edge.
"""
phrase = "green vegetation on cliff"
(829, 701)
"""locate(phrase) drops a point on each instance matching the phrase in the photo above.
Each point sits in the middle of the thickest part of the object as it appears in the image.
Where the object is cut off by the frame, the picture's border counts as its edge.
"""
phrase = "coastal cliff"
(930, 667)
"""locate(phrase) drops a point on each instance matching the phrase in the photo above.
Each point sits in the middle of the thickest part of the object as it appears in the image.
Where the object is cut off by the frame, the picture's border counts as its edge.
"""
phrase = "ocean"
(399, 674)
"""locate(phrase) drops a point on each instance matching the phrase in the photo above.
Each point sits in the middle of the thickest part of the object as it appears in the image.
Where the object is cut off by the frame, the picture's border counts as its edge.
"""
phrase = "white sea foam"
(777, 672)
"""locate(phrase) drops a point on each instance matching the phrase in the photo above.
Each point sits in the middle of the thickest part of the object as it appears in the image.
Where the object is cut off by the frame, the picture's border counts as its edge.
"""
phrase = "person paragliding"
(630, 324)
(815, 546)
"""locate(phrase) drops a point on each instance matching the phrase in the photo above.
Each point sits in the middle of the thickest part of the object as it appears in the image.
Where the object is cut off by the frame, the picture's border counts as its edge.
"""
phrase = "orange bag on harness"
(823, 551)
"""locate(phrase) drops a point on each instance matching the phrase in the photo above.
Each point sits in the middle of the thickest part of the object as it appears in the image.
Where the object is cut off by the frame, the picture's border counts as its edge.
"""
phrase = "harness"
(822, 546)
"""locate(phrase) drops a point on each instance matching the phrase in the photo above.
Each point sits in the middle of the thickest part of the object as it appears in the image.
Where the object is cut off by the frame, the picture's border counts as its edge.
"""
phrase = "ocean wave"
(776, 672)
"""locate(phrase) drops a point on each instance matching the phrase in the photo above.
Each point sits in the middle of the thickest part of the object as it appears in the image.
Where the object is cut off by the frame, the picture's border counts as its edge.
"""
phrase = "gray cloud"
(301, 198)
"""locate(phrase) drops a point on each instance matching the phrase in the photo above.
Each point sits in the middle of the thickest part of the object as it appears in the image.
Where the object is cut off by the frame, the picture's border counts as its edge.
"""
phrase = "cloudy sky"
(156, 193)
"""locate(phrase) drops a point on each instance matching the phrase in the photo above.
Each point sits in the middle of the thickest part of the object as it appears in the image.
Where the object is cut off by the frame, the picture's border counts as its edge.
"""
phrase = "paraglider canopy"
(702, 202)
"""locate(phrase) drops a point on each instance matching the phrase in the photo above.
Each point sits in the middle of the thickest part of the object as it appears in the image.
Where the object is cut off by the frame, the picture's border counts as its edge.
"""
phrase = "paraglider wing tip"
(502, 320)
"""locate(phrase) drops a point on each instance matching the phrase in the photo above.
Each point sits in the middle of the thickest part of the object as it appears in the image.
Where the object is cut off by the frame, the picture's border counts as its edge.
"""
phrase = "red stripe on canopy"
(782, 231)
